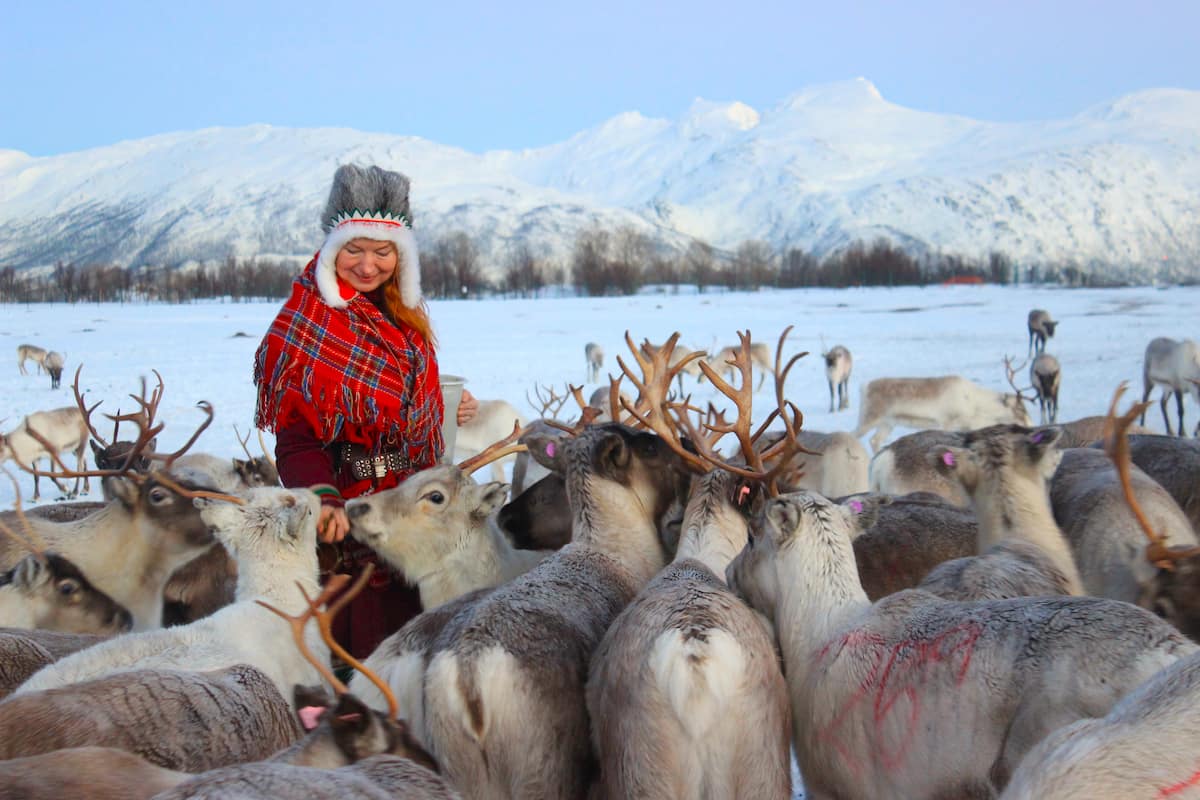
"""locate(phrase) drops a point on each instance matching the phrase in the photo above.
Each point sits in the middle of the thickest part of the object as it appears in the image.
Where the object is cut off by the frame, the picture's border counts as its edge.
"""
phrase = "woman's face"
(366, 264)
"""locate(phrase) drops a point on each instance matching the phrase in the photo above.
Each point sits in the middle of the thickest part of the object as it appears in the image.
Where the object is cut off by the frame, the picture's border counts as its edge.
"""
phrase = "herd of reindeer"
(983, 608)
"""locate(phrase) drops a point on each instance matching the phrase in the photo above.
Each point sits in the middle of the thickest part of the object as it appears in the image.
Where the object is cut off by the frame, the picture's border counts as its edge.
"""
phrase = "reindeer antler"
(243, 440)
(148, 429)
(297, 623)
(1116, 445)
(266, 452)
(494, 451)
(1010, 372)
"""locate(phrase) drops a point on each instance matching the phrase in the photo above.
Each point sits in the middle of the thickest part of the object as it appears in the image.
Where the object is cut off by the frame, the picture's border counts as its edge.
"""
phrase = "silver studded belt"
(367, 467)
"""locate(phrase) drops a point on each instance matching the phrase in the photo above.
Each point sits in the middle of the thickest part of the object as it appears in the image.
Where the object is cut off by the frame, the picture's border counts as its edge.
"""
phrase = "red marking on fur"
(893, 682)
(1167, 791)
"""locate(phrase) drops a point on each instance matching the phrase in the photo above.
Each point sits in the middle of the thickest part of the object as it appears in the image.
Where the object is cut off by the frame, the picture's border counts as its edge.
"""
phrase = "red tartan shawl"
(351, 374)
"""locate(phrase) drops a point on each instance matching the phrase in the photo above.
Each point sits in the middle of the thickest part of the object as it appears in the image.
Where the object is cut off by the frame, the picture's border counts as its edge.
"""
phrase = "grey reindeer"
(1041, 328)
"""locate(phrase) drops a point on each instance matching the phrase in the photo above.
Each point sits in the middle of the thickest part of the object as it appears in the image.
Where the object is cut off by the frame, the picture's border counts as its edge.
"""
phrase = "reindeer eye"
(437, 498)
(67, 587)
(158, 495)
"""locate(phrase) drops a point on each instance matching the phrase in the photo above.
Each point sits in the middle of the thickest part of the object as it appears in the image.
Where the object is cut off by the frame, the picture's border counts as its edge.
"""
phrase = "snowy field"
(505, 347)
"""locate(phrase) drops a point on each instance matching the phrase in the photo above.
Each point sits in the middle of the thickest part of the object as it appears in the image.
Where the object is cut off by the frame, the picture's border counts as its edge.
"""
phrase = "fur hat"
(372, 203)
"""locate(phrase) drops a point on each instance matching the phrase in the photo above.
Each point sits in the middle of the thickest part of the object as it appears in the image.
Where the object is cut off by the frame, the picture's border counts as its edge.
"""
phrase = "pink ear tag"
(857, 506)
(743, 493)
(310, 716)
(550, 449)
(1036, 438)
(948, 458)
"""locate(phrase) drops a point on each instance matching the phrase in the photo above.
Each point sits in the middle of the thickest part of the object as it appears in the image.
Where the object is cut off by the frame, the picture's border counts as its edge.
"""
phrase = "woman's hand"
(468, 407)
(332, 524)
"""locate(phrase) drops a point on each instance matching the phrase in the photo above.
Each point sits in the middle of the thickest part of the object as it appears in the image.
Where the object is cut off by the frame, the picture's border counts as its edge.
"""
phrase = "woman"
(348, 380)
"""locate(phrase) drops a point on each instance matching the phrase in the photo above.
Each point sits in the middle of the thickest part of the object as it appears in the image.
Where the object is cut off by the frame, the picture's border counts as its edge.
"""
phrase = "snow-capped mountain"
(1115, 188)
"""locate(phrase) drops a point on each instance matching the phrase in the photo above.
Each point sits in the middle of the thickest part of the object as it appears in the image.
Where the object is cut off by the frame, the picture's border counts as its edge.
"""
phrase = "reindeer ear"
(864, 509)
(121, 489)
(1042, 439)
(349, 716)
(545, 449)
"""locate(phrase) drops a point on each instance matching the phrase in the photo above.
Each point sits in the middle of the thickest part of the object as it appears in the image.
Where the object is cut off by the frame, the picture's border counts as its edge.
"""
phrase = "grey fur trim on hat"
(371, 203)
(366, 189)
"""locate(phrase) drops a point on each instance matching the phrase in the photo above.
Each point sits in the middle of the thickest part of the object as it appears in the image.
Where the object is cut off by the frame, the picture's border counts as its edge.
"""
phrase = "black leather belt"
(353, 458)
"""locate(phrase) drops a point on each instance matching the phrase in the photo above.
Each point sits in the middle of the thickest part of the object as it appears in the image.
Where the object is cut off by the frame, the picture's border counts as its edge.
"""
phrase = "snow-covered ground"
(506, 347)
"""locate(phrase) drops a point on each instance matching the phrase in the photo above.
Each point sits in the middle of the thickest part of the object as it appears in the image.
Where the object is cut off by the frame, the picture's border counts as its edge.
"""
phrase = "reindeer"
(1130, 538)
(900, 540)
(494, 420)
(54, 365)
(437, 527)
(904, 466)
(43, 435)
(23, 651)
(838, 364)
(1005, 469)
(594, 354)
(32, 353)
(1045, 374)
(1175, 464)
(45, 590)
(1176, 367)
(951, 403)
(684, 692)
(1041, 328)
(723, 362)
(504, 689)
(272, 534)
(1143, 747)
(916, 696)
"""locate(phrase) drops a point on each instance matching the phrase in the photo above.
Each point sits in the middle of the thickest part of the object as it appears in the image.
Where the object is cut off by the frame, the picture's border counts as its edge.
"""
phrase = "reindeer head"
(271, 524)
(797, 527)
(992, 457)
(60, 598)
(412, 524)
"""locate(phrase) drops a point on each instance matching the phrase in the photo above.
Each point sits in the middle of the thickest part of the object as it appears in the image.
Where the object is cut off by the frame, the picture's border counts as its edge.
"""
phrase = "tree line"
(600, 262)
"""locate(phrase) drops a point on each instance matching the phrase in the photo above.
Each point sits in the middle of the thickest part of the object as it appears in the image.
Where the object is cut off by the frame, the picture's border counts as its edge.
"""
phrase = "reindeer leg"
(844, 395)
(831, 397)
(1162, 404)
(1179, 408)
(1149, 387)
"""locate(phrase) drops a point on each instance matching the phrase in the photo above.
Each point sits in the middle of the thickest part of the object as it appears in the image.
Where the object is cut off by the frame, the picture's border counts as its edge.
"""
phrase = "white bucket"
(452, 389)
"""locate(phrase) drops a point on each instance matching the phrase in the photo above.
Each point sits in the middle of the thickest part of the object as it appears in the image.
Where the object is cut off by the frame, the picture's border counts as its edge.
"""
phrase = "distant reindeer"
(63, 429)
(1176, 366)
(760, 356)
(595, 360)
(1041, 328)
(1045, 374)
(54, 365)
(838, 363)
(31, 352)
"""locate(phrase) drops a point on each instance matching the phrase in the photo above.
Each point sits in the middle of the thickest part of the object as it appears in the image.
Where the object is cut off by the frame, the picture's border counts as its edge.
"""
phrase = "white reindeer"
(273, 539)
(493, 422)
(916, 696)
(30, 352)
(594, 354)
(949, 403)
(838, 363)
(1176, 367)
(65, 431)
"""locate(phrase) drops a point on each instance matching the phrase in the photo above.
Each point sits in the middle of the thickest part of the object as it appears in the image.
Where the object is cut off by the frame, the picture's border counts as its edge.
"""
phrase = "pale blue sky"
(510, 75)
